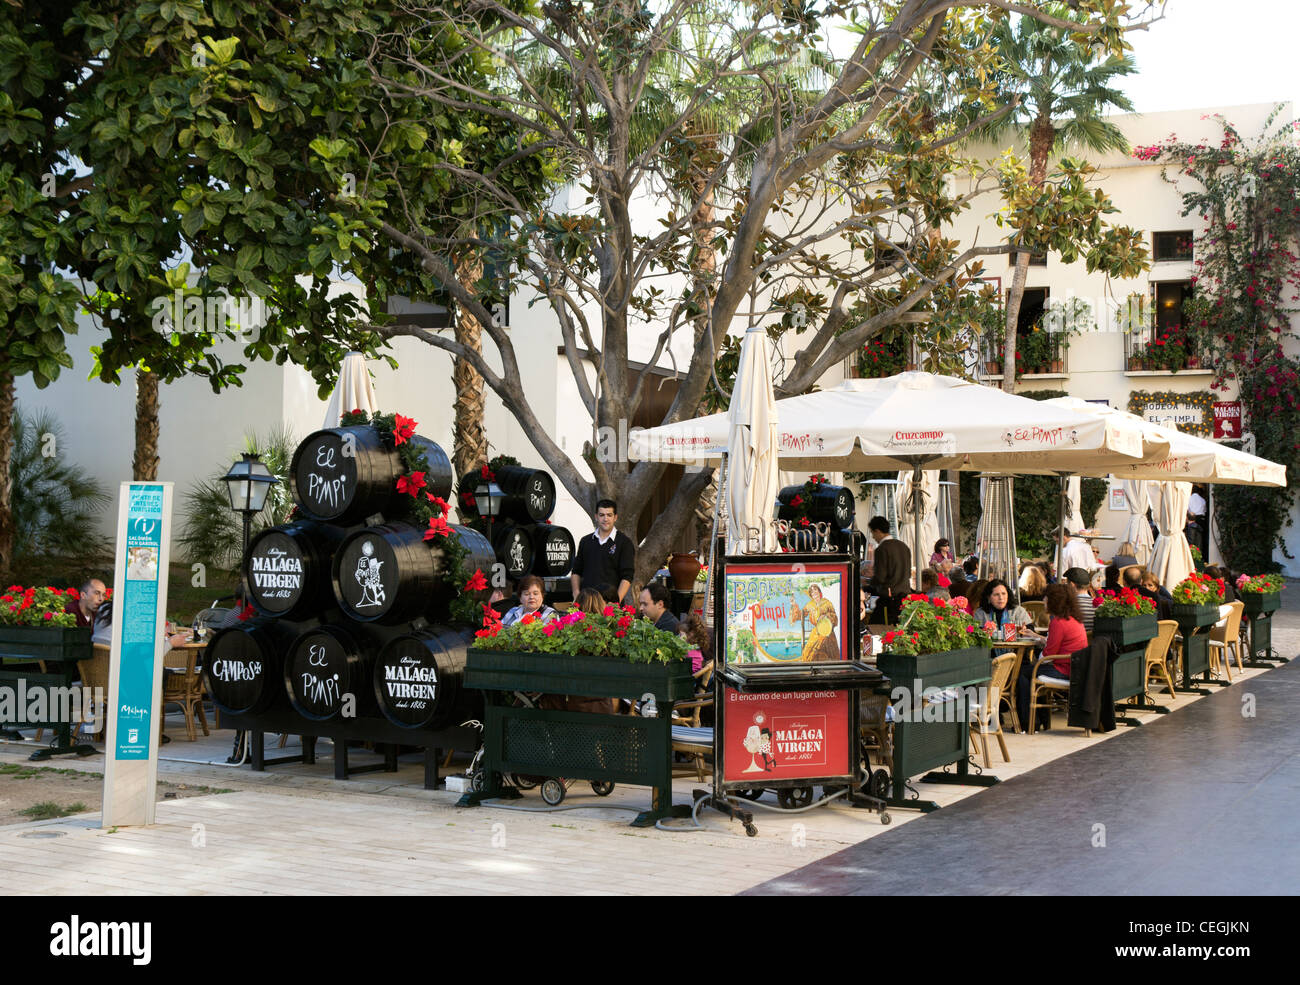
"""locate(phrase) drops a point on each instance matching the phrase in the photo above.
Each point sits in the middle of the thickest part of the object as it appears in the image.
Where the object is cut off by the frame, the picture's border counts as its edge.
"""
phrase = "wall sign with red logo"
(1227, 419)
(785, 735)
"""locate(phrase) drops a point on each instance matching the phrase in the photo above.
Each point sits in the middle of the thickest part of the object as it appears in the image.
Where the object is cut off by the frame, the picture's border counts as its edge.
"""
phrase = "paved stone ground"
(295, 830)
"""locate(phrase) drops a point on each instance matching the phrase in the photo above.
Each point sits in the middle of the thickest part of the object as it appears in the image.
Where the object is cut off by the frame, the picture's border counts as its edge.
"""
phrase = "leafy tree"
(1058, 84)
(868, 146)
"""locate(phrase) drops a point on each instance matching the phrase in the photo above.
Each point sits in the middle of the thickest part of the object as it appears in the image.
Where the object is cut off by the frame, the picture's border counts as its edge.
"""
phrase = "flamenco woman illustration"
(822, 643)
(758, 742)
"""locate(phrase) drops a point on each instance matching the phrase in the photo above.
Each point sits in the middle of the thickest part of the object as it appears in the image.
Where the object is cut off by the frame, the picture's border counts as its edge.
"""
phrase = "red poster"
(785, 735)
(1227, 419)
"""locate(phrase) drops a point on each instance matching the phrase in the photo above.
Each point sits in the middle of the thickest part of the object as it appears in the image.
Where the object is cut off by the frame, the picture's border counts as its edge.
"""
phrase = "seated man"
(92, 594)
(1134, 577)
(1082, 582)
(654, 607)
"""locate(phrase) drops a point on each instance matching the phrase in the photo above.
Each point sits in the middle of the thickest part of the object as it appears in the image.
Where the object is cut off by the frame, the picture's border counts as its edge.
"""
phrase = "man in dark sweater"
(891, 574)
(604, 557)
(654, 607)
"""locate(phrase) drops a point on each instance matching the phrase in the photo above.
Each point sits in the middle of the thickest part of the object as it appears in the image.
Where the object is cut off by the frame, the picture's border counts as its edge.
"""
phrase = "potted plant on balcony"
(1037, 347)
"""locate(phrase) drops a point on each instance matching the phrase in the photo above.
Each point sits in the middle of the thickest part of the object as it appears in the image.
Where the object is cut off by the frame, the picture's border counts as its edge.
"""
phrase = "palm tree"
(1062, 89)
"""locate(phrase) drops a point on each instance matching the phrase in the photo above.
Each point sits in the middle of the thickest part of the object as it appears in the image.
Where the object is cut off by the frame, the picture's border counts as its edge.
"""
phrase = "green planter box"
(576, 745)
(922, 746)
(1194, 616)
(38, 643)
(953, 668)
(563, 673)
(1260, 602)
(1128, 632)
(20, 649)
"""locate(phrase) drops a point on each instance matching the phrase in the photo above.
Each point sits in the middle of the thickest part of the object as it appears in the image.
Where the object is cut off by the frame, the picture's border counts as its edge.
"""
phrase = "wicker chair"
(987, 719)
(1038, 610)
(689, 735)
(1225, 639)
(1157, 655)
(183, 685)
(1048, 687)
(94, 676)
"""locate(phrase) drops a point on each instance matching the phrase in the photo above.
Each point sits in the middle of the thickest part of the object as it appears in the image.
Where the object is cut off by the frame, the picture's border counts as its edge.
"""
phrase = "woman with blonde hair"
(1033, 583)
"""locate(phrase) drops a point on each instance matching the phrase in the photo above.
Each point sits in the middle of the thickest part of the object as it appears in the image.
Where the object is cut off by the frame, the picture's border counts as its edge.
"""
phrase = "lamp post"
(487, 499)
(247, 484)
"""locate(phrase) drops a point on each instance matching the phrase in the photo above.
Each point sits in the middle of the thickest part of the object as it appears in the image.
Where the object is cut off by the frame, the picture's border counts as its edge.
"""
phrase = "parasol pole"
(1062, 480)
(916, 523)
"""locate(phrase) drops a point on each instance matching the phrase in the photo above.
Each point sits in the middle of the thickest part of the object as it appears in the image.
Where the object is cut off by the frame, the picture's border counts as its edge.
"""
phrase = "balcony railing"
(1148, 348)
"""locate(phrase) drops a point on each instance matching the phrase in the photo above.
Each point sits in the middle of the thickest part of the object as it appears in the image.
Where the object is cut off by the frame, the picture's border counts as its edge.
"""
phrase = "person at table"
(654, 607)
(941, 559)
(1197, 508)
(975, 593)
(996, 607)
(1126, 555)
(1065, 632)
(957, 583)
(532, 602)
(822, 643)
(1033, 583)
(85, 608)
(1214, 571)
(1081, 582)
(102, 631)
(891, 577)
(930, 585)
(1075, 553)
(606, 556)
(1134, 577)
(1152, 584)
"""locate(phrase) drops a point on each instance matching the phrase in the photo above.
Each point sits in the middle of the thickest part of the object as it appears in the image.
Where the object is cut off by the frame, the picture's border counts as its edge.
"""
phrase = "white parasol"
(751, 485)
(1171, 561)
(1138, 532)
(352, 391)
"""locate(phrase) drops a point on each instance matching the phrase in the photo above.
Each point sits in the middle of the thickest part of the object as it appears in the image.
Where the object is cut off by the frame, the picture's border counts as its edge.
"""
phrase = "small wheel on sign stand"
(802, 796)
(553, 791)
(751, 830)
(478, 781)
(878, 785)
(884, 817)
(602, 788)
(753, 793)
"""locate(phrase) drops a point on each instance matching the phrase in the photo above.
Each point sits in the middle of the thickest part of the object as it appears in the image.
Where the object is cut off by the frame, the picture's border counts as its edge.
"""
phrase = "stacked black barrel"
(518, 524)
(826, 503)
(352, 609)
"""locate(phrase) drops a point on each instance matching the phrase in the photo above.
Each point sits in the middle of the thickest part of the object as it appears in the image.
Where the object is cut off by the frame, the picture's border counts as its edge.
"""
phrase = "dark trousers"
(887, 610)
(1023, 685)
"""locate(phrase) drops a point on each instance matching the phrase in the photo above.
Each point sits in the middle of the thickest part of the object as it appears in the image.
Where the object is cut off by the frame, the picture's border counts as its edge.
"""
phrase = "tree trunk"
(144, 466)
(1014, 297)
(1042, 135)
(6, 481)
(469, 441)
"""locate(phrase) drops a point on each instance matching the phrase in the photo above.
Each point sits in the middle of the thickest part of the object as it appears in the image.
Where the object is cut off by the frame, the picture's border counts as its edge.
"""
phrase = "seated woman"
(941, 559)
(996, 607)
(697, 635)
(1065, 632)
(930, 585)
(1125, 556)
(1033, 583)
(531, 602)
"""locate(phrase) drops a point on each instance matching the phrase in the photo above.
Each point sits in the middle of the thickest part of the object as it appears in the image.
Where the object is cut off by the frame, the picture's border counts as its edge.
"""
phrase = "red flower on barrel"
(411, 485)
(403, 429)
(477, 582)
(437, 528)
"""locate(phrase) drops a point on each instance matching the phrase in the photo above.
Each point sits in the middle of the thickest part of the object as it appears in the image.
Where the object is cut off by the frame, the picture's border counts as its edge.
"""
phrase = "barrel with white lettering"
(345, 474)
(287, 569)
(242, 666)
(527, 495)
(552, 550)
(391, 574)
(417, 679)
(826, 504)
(324, 669)
(514, 549)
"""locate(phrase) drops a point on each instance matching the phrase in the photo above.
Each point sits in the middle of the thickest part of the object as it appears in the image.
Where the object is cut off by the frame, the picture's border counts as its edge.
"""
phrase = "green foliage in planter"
(615, 632)
(55, 503)
(210, 531)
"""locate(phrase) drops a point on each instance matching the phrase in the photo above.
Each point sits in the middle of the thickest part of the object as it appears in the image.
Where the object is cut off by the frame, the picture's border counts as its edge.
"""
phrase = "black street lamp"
(488, 497)
(247, 484)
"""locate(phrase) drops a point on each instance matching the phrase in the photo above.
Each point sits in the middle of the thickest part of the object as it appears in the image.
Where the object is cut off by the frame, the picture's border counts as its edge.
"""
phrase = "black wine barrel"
(849, 541)
(391, 574)
(325, 668)
(418, 682)
(552, 550)
(288, 569)
(514, 549)
(829, 504)
(242, 666)
(345, 474)
(528, 495)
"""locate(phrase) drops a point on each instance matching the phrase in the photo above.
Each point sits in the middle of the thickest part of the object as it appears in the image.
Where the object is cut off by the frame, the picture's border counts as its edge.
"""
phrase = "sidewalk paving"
(294, 830)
